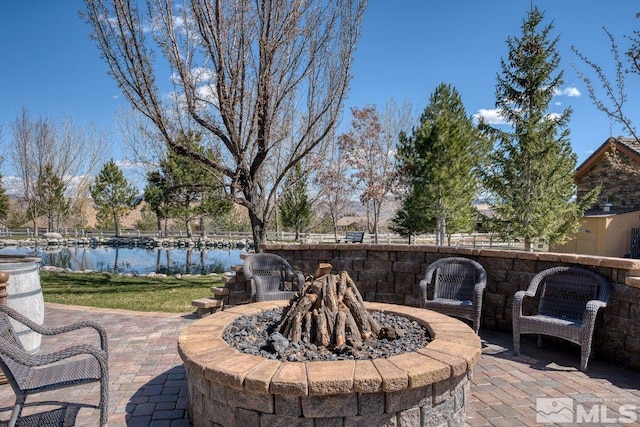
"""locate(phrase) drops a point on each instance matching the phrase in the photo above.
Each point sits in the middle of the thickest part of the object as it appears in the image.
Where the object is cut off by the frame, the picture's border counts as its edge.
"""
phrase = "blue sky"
(51, 67)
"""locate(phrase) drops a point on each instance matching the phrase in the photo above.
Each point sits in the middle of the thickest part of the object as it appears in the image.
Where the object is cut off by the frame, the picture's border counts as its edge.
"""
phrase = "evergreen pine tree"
(295, 207)
(185, 190)
(531, 176)
(410, 219)
(439, 160)
(51, 190)
(156, 197)
(4, 203)
(113, 195)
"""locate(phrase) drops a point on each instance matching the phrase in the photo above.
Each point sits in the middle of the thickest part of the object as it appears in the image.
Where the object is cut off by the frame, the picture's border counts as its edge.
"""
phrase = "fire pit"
(425, 387)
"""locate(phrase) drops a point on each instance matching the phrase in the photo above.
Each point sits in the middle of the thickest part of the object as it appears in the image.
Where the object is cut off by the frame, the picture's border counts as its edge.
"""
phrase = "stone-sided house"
(606, 228)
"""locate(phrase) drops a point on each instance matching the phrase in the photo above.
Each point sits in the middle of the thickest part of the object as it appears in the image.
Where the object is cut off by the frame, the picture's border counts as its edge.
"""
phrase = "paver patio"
(148, 387)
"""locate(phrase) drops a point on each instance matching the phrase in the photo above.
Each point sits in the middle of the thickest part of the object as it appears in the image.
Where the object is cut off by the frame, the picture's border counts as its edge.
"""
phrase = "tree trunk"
(377, 207)
(441, 230)
(203, 229)
(258, 231)
(187, 225)
(116, 224)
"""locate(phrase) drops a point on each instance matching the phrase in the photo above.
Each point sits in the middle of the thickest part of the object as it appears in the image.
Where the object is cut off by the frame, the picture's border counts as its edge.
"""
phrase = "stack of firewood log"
(329, 311)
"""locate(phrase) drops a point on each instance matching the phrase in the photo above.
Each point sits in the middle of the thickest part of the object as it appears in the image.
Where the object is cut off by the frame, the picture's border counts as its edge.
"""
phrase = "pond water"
(135, 260)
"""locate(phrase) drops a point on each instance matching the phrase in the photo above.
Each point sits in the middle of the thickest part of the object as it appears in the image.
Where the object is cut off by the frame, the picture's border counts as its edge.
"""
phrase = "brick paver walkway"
(148, 386)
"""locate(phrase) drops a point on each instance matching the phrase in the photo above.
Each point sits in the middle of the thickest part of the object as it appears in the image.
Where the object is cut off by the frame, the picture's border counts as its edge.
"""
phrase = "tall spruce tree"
(295, 207)
(410, 219)
(155, 195)
(531, 176)
(51, 190)
(439, 161)
(112, 195)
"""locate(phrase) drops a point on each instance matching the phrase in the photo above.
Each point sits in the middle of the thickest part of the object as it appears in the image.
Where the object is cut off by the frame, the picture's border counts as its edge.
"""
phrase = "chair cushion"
(449, 302)
(553, 320)
(277, 296)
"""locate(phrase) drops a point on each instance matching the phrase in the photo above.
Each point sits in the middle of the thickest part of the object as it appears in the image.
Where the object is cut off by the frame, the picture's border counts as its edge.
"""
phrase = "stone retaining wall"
(391, 274)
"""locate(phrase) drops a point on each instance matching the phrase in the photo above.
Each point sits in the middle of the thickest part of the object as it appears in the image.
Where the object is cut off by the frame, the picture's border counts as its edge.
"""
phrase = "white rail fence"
(475, 240)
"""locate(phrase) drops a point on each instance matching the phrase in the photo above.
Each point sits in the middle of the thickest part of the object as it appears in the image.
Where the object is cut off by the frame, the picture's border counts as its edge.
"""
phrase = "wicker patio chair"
(454, 286)
(269, 275)
(570, 298)
(34, 373)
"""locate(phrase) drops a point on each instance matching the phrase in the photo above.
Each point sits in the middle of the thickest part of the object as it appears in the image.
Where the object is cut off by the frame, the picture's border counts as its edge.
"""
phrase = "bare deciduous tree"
(370, 147)
(40, 143)
(262, 81)
(335, 187)
(609, 93)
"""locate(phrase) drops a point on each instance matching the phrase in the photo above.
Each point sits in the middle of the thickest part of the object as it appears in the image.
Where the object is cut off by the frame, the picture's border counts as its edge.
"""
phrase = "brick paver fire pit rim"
(448, 358)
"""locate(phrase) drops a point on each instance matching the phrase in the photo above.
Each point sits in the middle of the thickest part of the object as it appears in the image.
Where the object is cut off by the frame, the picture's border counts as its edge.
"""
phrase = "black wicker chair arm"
(424, 284)
(297, 278)
(32, 360)
(60, 330)
(256, 282)
(595, 305)
(79, 350)
(518, 297)
(478, 290)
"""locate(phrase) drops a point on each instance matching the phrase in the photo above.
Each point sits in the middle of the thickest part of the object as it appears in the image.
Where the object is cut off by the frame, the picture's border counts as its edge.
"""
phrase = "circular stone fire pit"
(426, 387)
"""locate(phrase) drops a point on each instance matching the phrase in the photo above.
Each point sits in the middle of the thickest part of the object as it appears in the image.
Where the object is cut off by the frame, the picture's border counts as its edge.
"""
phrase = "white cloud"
(557, 103)
(198, 75)
(203, 75)
(127, 164)
(570, 91)
(491, 116)
(208, 94)
(12, 184)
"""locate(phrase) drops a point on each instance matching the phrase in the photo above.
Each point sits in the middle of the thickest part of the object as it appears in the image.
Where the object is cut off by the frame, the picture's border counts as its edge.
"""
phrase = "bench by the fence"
(354, 237)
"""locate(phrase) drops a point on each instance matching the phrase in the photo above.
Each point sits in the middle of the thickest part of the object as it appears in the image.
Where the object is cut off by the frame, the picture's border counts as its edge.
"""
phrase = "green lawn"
(105, 290)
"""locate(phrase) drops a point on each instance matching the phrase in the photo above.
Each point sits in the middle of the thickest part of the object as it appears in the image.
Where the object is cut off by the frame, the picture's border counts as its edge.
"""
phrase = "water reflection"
(135, 260)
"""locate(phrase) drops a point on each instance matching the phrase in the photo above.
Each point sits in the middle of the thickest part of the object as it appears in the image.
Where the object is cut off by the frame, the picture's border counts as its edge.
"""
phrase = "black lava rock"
(257, 335)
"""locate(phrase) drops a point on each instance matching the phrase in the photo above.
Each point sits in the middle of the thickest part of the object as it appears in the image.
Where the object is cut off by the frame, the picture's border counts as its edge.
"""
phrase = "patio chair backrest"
(270, 268)
(565, 293)
(455, 280)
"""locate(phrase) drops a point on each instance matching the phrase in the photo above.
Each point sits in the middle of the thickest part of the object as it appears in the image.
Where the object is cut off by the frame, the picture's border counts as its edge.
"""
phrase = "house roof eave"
(596, 156)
